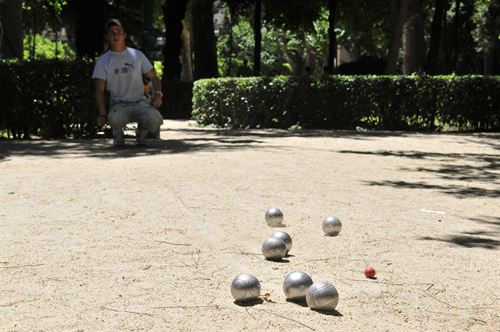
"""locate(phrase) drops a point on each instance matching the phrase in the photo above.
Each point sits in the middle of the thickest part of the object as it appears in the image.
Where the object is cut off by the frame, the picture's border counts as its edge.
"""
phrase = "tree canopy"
(290, 37)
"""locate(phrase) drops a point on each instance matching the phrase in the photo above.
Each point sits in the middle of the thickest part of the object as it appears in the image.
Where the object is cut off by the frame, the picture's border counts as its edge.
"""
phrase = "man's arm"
(158, 97)
(100, 85)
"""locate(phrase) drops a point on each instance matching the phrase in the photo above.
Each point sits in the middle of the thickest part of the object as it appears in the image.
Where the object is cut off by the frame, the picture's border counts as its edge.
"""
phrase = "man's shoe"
(157, 134)
(140, 136)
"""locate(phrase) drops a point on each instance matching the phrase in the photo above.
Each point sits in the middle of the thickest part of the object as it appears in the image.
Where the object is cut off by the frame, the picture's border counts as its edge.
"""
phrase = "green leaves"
(58, 5)
(46, 48)
(344, 102)
(48, 98)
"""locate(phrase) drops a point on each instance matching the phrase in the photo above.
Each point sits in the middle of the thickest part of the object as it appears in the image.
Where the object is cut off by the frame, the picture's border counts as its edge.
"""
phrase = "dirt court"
(98, 239)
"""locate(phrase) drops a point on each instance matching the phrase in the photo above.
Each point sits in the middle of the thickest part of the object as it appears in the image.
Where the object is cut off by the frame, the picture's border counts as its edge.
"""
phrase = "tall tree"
(399, 11)
(468, 59)
(487, 21)
(257, 26)
(11, 19)
(232, 18)
(204, 45)
(186, 49)
(456, 34)
(332, 37)
(414, 40)
(438, 21)
(89, 27)
(173, 14)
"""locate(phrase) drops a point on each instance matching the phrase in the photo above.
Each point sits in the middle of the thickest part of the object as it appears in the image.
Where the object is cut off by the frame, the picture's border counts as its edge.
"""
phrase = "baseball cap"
(113, 22)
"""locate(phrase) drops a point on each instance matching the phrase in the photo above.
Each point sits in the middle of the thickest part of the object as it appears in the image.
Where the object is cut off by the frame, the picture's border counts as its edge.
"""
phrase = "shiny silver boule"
(296, 285)
(274, 249)
(285, 237)
(245, 287)
(274, 217)
(322, 296)
(332, 226)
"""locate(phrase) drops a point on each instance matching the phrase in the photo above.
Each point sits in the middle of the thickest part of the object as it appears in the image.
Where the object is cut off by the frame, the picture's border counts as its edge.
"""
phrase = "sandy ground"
(98, 239)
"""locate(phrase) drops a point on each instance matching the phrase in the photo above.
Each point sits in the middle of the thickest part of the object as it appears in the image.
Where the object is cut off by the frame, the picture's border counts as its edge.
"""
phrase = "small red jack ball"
(370, 272)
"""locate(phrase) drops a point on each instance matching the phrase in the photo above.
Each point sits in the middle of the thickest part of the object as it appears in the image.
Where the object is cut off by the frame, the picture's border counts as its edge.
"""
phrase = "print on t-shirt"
(127, 67)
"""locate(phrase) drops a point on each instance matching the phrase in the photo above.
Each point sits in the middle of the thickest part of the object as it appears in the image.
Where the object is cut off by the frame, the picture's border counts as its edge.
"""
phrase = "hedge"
(55, 99)
(48, 98)
(423, 103)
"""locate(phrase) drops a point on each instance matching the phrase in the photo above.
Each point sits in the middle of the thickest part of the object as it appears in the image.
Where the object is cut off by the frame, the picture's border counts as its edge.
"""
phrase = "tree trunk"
(456, 36)
(186, 50)
(399, 11)
(33, 33)
(257, 25)
(447, 42)
(11, 17)
(173, 14)
(332, 37)
(466, 58)
(232, 20)
(436, 32)
(414, 40)
(491, 48)
(89, 27)
(204, 44)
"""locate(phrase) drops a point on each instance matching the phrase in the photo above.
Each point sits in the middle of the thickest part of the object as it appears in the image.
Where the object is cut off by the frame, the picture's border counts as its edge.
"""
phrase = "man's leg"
(149, 120)
(118, 118)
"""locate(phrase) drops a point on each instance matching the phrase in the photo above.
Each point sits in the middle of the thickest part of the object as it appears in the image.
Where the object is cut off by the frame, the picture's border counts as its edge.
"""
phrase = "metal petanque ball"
(296, 285)
(245, 287)
(285, 237)
(332, 226)
(274, 249)
(322, 296)
(274, 217)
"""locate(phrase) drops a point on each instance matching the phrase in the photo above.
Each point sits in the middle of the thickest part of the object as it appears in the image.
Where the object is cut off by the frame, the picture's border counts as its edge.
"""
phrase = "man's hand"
(157, 101)
(101, 120)
(157, 98)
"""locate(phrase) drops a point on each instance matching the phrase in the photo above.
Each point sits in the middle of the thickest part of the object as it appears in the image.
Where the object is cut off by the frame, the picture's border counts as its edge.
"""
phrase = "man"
(120, 71)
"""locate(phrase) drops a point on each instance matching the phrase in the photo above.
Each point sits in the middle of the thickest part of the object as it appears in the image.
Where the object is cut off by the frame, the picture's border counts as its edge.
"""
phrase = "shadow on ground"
(465, 168)
(461, 191)
(490, 139)
(102, 148)
(475, 239)
(197, 139)
(282, 133)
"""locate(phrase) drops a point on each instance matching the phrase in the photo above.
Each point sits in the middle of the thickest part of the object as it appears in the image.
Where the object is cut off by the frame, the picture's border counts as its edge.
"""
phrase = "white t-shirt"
(123, 72)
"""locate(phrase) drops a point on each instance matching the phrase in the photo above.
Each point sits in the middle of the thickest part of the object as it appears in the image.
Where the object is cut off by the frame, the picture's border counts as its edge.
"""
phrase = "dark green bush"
(344, 102)
(49, 98)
